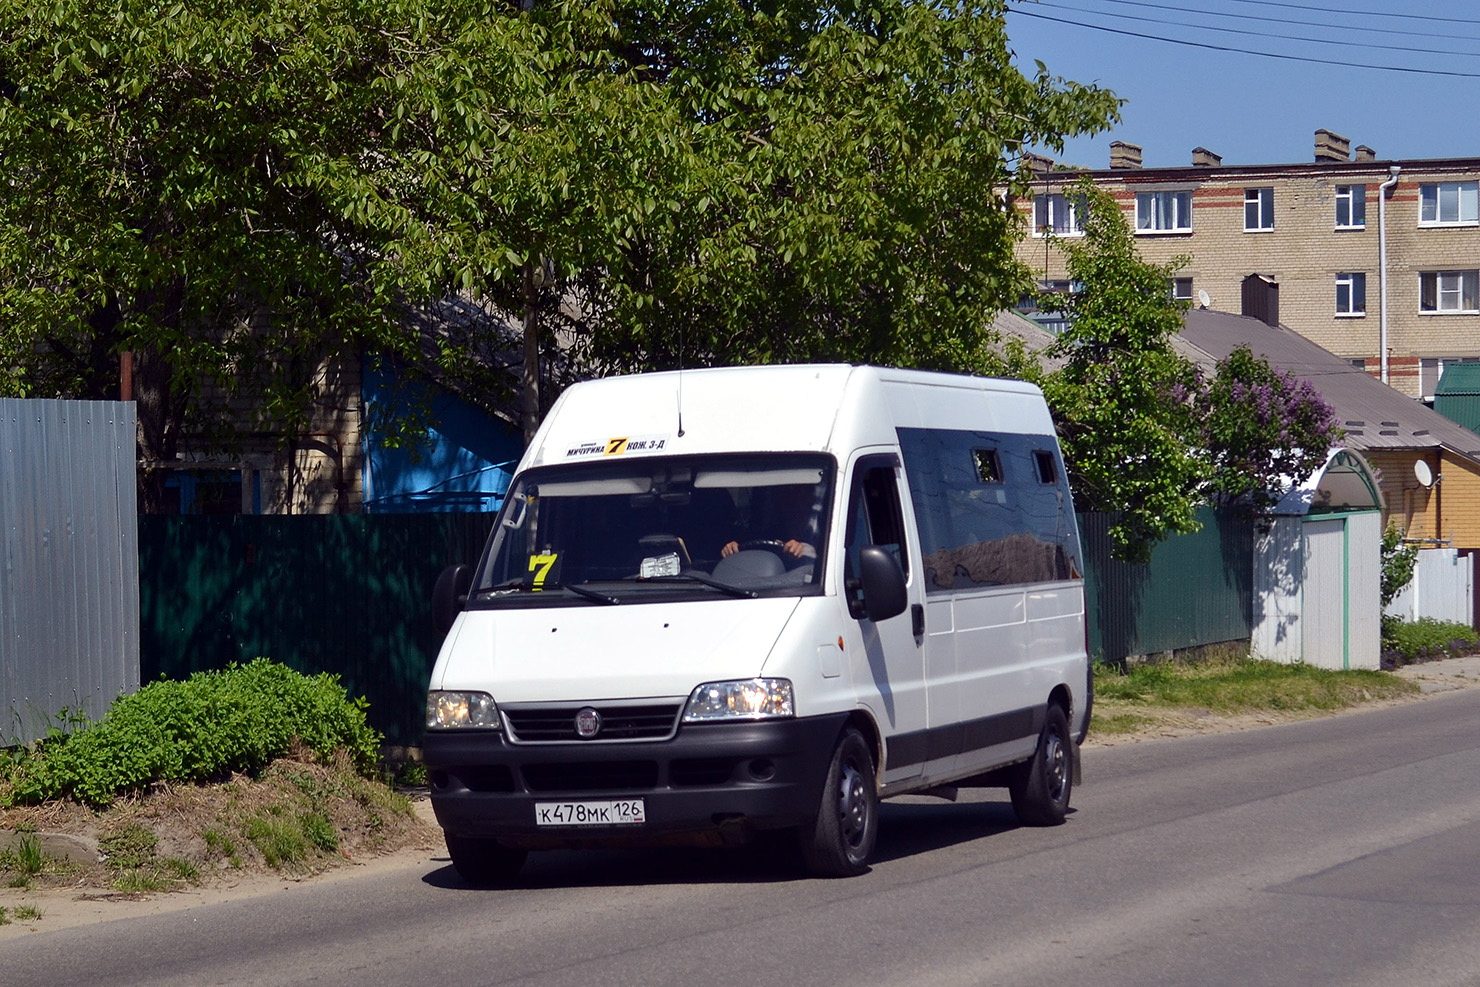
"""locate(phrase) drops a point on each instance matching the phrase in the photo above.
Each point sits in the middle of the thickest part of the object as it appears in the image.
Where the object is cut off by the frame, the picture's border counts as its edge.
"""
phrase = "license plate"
(616, 812)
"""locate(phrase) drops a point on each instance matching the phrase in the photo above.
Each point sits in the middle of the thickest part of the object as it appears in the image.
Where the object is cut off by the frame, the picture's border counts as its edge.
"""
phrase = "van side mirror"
(884, 595)
(449, 596)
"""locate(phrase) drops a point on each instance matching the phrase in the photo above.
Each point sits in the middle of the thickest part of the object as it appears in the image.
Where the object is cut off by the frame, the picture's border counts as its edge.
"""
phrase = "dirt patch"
(178, 845)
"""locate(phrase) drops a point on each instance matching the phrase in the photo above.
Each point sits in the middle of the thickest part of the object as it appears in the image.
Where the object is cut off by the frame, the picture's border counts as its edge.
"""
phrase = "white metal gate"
(1324, 614)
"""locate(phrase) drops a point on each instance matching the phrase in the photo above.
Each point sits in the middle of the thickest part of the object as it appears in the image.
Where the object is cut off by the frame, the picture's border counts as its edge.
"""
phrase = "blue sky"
(1259, 110)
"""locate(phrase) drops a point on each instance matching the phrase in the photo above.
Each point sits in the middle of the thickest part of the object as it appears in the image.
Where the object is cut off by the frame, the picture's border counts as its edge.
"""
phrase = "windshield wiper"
(695, 577)
(589, 594)
(522, 585)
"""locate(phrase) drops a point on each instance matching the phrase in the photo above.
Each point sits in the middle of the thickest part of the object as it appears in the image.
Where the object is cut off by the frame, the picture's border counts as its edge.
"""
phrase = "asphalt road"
(1339, 851)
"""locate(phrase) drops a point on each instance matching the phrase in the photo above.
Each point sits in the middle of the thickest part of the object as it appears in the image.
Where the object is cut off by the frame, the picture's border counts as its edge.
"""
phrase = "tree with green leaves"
(1145, 435)
(172, 192)
(237, 193)
(852, 201)
(1121, 397)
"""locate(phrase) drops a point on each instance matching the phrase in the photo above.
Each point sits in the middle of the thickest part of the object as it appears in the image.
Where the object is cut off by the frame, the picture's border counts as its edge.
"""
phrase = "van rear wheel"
(1040, 787)
(839, 842)
(482, 861)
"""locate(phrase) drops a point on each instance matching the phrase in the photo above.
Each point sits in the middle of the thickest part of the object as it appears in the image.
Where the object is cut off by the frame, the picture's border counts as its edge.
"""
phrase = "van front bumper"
(711, 783)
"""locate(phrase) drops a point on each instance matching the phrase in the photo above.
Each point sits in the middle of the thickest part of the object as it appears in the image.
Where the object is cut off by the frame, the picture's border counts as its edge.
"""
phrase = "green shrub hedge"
(1426, 638)
(213, 723)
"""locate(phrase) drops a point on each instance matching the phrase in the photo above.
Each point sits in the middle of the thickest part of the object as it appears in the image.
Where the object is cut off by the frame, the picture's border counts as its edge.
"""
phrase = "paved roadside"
(1445, 675)
(62, 908)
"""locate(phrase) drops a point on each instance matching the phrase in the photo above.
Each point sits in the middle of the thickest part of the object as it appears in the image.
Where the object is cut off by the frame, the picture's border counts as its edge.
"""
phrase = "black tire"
(1040, 788)
(840, 840)
(483, 861)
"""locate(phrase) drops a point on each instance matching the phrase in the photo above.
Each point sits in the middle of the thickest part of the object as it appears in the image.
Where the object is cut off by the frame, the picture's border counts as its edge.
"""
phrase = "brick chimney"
(1036, 164)
(1203, 158)
(1332, 147)
(1261, 299)
(1364, 153)
(1124, 156)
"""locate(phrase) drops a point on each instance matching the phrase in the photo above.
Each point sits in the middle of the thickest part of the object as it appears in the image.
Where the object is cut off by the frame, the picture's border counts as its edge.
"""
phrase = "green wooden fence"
(351, 595)
(1196, 590)
(344, 594)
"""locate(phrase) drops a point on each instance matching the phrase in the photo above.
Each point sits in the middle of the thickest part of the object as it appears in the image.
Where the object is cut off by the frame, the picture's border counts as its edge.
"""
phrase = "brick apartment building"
(1314, 230)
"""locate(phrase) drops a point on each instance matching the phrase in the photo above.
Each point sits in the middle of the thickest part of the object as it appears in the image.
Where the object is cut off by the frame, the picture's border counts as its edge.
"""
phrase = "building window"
(1449, 204)
(1351, 293)
(1057, 214)
(1163, 212)
(1182, 288)
(1351, 207)
(1258, 209)
(1449, 291)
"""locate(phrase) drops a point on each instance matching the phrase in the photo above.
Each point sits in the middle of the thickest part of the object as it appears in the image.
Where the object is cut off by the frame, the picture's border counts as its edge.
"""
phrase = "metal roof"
(1459, 379)
(1375, 416)
(1457, 395)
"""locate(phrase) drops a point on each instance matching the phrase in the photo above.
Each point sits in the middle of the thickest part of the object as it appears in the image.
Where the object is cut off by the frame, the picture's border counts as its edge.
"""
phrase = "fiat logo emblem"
(588, 723)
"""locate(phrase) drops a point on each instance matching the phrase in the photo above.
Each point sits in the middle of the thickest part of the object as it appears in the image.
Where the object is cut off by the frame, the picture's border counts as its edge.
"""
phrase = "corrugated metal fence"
(344, 594)
(69, 574)
(1196, 590)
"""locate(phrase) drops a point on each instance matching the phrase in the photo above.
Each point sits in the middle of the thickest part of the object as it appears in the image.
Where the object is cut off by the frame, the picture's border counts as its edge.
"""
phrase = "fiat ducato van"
(730, 603)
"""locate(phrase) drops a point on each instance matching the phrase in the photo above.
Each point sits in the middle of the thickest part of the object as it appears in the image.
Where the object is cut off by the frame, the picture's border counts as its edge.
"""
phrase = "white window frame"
(1354, 198)
(1177, 283)
(1452, 292)
(1449, 204)
(1354, 284)
(1169, 205)
(1261, 200)
(1057, 205)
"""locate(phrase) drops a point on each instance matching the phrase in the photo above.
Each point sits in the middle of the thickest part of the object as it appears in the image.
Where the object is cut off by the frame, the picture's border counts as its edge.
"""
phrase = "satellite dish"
(1423, 474)
(1202, 298)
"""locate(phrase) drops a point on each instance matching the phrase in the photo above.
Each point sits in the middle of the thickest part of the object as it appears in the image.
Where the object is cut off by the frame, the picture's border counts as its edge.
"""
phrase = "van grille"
(557, 724)
(591, 777)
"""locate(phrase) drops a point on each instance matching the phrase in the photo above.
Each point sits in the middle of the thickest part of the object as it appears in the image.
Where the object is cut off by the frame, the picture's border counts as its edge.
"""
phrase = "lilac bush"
(1262, 429)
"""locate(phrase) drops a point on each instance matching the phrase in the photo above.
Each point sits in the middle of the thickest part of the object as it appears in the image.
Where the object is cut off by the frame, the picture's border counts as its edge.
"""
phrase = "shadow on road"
(906, 829)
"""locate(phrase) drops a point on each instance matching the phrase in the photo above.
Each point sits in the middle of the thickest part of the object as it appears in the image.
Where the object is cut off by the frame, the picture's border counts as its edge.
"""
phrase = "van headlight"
(747, 699)
(446, 710)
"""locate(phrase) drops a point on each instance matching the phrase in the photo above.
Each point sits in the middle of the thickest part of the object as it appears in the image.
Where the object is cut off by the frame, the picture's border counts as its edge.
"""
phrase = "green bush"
(213, 723)
(1428, 638)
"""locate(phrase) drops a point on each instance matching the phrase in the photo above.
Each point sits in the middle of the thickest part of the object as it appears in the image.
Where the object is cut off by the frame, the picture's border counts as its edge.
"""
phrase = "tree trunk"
(531, 395)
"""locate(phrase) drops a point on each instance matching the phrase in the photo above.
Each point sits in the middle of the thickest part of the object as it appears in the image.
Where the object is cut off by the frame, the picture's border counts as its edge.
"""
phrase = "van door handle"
(917, 619)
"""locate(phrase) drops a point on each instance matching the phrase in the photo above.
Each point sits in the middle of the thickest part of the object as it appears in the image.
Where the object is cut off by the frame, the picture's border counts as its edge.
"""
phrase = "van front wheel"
(484, 861)
(1040, 787)
(841, 839)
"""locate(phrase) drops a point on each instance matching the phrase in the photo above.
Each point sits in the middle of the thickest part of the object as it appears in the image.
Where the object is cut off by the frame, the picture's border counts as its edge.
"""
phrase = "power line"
(1327, 23)
(1257, 34)
(1359, 13)
(1246, 51)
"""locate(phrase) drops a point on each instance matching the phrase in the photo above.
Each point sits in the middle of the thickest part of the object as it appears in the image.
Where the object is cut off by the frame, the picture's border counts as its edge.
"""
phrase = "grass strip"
(1133, 699)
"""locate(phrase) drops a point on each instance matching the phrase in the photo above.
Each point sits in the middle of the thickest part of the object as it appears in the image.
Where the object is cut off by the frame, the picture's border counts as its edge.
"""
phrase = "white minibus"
(719, 604)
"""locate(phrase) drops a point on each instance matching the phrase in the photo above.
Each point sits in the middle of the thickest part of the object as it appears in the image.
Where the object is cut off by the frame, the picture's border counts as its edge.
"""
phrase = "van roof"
(725, 409)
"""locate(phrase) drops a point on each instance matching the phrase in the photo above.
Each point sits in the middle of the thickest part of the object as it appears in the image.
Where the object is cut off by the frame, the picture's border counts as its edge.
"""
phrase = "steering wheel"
(769, 544)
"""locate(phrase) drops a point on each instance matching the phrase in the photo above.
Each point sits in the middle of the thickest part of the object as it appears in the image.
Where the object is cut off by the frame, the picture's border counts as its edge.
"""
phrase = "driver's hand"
(730, 549)
(795, 548)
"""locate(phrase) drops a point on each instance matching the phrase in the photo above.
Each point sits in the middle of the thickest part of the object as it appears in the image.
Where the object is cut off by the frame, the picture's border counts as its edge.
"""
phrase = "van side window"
(993, 509)
(1047, 470)
(988, 467)
(874, 518)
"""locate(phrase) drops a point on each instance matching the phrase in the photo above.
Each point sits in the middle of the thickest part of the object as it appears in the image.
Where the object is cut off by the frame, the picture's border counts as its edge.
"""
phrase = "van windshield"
(637, 529)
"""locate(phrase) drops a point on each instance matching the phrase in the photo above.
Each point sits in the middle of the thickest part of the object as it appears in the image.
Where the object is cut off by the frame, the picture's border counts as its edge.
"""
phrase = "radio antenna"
(680, 383)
